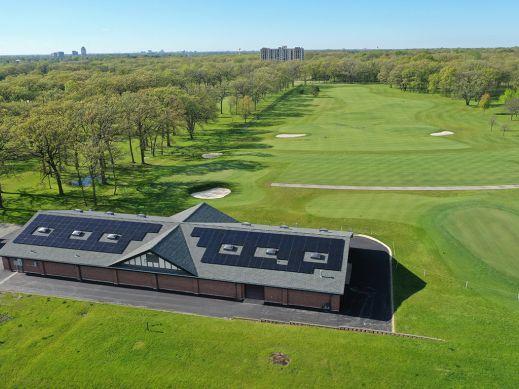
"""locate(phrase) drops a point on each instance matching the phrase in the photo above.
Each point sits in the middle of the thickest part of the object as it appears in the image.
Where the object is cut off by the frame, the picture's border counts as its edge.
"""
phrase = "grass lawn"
(357, 135)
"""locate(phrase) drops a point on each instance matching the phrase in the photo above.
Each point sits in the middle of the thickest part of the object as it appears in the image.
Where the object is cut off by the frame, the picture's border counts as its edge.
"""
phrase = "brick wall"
(133, 278)
(91, 273)
(6, 263)
(178, 284)
(217, 288)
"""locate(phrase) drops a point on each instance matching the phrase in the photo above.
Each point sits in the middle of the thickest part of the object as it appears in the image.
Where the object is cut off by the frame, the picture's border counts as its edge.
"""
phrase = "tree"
(509, 94)
(7, 153)
(46, 137)
(246, 107)
(512, 106)
(140, 111)
(484, 101)
(315, 90)
(171, 114)
(492, 121)
(199, 108)
(222, 91)
(504, 128)
(96, 119)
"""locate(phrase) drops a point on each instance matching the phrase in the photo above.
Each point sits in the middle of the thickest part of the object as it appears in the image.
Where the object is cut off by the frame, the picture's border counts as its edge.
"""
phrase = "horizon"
(255, 51)
(134, 26)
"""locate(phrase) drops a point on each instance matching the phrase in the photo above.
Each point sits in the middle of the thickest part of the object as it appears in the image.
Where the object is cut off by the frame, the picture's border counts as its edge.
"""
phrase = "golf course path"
(397, 188)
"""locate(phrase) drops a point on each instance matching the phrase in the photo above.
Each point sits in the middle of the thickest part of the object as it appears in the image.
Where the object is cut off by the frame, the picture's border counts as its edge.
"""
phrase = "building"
(198, 251)
(75, 53)
(83, 51)
(282, 54)
(58, 55)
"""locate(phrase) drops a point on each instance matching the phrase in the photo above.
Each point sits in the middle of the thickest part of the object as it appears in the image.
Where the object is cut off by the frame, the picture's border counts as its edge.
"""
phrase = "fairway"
(455, 272)
(374, 135)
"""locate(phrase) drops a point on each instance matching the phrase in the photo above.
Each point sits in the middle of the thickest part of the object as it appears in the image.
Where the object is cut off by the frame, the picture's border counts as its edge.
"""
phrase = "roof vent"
(271, 251)
(246, 224)
(141, 215)
(113, 236)
(78, 210)
(109, 213)
(43, 230)
(316, 256)
(284, 226)
(77, 233)
(229, 247)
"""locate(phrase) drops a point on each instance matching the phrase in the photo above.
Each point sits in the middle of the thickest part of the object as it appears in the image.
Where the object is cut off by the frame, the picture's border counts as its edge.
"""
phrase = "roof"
(202, 213)
(192, 240)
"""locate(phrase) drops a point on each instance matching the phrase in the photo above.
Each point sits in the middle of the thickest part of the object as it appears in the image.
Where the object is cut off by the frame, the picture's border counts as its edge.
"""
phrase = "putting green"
(489, 234)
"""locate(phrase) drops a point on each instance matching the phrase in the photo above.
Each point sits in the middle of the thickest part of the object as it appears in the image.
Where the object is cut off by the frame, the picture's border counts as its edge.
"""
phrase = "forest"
(72, 115)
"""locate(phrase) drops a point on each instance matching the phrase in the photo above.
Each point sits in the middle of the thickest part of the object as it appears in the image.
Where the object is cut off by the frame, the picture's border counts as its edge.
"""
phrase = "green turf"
(357, 135)
(374, 135)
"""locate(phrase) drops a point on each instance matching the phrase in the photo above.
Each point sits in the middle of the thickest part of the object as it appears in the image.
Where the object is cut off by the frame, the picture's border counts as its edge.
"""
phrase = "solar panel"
(64, 226)
(290, 247)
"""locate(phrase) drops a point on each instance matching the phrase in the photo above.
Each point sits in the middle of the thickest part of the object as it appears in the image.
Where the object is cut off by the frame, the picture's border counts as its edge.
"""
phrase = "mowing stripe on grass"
(396, 188)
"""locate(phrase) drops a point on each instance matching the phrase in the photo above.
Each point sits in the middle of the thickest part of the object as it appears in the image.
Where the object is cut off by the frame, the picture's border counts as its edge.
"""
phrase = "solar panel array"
(291, 248)
(64, 226)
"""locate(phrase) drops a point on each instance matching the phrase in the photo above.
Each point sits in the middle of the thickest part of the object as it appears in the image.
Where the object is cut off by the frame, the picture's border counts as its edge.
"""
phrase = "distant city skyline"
(135, 25)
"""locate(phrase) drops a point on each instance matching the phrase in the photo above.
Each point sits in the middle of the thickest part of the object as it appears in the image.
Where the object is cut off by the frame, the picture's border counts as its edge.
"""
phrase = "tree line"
(72, 117)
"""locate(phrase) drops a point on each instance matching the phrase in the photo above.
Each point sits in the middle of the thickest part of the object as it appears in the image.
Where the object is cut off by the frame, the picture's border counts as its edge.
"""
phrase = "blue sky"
(43, 26)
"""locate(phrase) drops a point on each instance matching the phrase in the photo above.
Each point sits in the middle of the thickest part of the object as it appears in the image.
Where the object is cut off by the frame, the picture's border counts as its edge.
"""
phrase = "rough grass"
(357, 135)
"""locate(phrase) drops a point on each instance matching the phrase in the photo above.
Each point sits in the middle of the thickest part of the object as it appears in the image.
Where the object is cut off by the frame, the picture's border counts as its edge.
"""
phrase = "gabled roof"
(202, 213)
(177, 241)
(173, 248)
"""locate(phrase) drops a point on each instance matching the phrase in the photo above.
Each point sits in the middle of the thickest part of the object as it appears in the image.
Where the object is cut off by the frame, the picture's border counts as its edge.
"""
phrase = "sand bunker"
(211, 155)
(442, 133)
(213, 193)
(290, 135)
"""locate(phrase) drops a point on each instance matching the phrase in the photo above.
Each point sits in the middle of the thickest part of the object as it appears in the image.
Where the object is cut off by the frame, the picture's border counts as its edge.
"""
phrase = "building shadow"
(368, 294)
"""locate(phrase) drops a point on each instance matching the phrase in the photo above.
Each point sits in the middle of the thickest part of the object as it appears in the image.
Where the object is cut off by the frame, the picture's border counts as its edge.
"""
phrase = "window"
(315, 257)
(80, 235)
(43, 231)
(150, 260)
(153, 258)
(110, 238)
(230, 249)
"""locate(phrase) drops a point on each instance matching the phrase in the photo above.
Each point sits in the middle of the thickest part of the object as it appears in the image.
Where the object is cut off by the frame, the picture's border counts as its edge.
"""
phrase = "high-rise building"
(282, 53)
(58, 55)
(75, 53)
(83, 52)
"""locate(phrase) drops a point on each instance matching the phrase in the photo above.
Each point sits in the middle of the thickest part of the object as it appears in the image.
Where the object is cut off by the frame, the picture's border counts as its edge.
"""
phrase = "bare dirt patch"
(139, 345)
(279, 359)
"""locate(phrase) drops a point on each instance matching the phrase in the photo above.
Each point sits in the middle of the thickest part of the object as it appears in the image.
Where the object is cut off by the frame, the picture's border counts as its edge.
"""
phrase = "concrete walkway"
(397, 188)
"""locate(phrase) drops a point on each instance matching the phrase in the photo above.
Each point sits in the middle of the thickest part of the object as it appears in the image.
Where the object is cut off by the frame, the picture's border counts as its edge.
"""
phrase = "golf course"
(455, 268)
